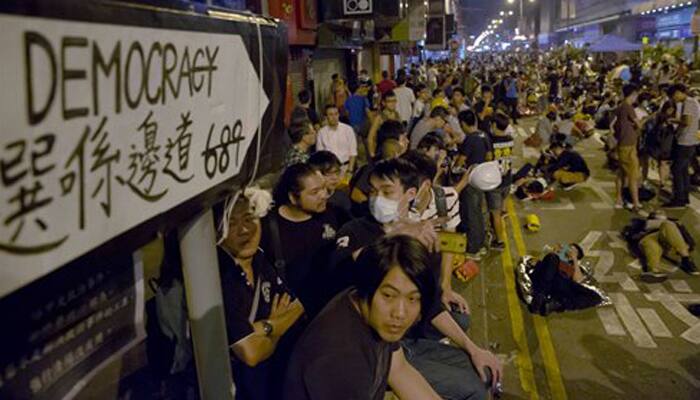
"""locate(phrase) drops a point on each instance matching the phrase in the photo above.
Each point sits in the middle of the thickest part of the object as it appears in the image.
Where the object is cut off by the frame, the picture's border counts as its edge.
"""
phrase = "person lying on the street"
(656, 237)
(557, 282)
(351, 349)
(455, 372)
(262, 317)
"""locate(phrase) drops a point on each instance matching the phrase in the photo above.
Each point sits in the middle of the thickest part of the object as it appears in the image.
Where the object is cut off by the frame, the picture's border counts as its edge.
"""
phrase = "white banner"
(106, 126)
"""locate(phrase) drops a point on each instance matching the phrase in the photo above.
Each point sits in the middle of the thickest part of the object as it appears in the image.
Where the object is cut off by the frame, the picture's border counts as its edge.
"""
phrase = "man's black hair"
(328, 107)
(468, 117)
(628, 89)
(439, 112)
(290, 182)
(436, 91)
(400, 80)
(501, 121)
(390, 129)
(353, 86)
(404, 252)
(385, 74)
(324, 161)
(387, 94)
(397, 169)
(419, 87)
(298, 129)
(304, 96)
(457, 90)
(431, 139)
(486, 88)
(425, 166)
(678, 87)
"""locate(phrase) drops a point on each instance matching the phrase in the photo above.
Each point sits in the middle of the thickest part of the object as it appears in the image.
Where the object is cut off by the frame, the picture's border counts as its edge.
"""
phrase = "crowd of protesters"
(334, 283)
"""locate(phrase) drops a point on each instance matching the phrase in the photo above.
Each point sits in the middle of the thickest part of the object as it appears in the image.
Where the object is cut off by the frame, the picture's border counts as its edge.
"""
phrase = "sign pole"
(205, 305)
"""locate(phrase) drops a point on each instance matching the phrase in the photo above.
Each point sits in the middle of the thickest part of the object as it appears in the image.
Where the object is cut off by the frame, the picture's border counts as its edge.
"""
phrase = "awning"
(613, 44)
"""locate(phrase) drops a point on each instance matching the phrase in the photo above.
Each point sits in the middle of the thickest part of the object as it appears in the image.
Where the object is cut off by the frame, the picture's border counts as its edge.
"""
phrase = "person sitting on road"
(392, 142)
(656, 237)
(556, 282)
(395, 184)
(263, 319)
(570, 168)
(352, 349)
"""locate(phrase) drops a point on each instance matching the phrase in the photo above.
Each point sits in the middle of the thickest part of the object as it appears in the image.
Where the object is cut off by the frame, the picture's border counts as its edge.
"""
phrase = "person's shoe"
(689, 267)
(652, 277)
(569, 186)
(473, 256)
(498, 245)
(674, 205)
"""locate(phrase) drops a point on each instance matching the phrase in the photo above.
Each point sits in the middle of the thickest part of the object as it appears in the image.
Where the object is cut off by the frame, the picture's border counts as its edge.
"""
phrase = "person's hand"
(450, 297)
(483, 359)
(280, 305)
(423, 231)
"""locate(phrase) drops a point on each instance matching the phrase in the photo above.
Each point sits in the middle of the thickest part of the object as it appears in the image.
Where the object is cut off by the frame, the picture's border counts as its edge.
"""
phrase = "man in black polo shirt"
(262, 318)
(299, 233)
(453, 372)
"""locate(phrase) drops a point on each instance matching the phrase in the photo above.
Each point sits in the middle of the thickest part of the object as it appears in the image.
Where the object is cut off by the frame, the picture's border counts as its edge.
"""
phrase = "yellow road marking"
(549, 355)
(524, 360)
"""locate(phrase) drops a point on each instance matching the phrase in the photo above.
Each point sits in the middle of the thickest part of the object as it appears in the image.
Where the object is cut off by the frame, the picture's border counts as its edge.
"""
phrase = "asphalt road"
(645, 346)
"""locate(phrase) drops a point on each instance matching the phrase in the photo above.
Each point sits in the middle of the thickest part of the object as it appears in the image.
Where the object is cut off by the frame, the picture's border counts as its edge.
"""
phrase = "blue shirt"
(512, 90)
(356, 107)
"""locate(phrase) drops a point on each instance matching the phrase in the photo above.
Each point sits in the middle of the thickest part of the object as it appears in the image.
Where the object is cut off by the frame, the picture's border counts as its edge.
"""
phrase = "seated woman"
(262, 318)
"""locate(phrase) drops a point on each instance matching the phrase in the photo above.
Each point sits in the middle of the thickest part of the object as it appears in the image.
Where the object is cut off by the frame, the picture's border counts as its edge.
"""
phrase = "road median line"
(549, 355)
(524, 360)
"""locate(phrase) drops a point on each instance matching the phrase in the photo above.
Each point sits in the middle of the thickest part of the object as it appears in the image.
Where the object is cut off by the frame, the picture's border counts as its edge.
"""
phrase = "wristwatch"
(267, 328)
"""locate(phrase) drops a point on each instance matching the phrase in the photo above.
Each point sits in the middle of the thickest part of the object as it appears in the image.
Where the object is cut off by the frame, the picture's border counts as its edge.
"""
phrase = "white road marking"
(591, 238)
(607, 202)
(654, 323)
(693, 334)
(606, 260)
(616, 240)
(636, 264)
(530, 152)
(680, 286)
(611, 322)
(562, 204)
(632, 322)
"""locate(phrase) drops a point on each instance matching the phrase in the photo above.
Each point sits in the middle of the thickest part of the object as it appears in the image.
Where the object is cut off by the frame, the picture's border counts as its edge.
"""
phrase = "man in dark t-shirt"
(351, 349)
(300, 232)
(570, 168)
(474, 150)
(627, 129)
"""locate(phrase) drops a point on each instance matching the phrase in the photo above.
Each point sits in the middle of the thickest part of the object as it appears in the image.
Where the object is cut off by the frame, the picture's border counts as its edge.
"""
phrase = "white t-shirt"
(418, 109)
(405, 98)
(340, 141)
(430, 213)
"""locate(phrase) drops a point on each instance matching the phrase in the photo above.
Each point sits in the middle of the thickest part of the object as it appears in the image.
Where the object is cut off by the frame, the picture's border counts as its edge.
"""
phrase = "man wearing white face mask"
(394, 187)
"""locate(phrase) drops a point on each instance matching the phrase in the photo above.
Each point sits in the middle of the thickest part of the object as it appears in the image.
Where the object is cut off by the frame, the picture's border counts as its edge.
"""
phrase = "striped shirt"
(431, 213)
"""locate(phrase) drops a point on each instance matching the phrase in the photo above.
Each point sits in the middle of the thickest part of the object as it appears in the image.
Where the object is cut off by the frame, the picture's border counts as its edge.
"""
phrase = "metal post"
(204, 303)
